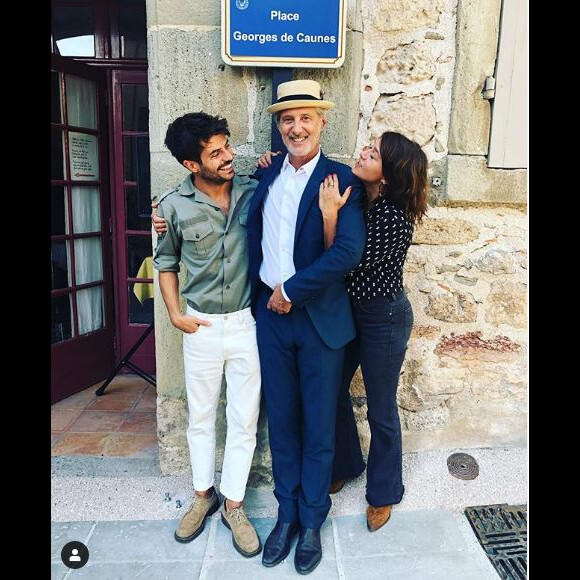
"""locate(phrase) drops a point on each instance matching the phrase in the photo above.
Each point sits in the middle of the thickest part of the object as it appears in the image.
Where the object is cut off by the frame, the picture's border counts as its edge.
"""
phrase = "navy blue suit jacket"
(318, 284)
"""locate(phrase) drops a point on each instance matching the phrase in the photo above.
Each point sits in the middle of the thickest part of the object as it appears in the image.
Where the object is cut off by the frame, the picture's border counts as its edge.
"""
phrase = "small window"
(73, 29)
(102, 29)
(132, 29)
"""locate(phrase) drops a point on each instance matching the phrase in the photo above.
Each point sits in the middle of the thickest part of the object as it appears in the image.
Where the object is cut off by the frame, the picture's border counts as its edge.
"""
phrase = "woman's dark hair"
(405, 173)
(186, 136)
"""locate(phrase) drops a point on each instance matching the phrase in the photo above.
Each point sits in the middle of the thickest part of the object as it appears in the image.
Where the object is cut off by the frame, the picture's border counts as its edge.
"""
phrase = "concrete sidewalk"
(126, 512)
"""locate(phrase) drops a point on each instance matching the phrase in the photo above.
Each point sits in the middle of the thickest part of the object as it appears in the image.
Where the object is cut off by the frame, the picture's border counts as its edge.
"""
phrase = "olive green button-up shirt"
(213, 247)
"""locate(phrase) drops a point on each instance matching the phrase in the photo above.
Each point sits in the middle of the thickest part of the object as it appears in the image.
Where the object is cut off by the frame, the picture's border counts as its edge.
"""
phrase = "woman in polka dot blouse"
(393, 171)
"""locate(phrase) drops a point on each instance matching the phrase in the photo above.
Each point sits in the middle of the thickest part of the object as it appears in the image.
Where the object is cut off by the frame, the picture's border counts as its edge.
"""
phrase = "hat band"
(297, 98)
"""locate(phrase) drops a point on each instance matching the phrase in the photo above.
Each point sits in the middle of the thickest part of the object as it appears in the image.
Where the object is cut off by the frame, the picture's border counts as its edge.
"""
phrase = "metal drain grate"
(502, 530)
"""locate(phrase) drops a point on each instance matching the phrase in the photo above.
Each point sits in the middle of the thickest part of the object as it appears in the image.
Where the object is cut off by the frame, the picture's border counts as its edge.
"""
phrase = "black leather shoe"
(278, 544)
(308, 550)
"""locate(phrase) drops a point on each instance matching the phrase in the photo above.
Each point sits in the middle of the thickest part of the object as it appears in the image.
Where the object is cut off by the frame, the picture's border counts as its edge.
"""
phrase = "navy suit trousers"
(301, 380)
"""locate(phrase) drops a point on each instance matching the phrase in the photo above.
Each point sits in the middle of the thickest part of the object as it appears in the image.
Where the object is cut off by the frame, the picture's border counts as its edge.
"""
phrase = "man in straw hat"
(303, 316)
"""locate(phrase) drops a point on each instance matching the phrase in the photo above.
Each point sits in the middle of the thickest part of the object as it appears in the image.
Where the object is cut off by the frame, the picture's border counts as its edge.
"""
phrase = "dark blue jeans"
(383, 328)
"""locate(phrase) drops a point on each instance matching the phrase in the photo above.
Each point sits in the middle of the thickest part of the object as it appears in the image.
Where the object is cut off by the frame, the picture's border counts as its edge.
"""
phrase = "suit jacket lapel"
(265, 182)
(310, 193)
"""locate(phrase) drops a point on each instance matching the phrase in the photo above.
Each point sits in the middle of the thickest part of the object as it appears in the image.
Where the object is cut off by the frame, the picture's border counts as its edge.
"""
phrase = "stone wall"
(463, 383)
(414, 66)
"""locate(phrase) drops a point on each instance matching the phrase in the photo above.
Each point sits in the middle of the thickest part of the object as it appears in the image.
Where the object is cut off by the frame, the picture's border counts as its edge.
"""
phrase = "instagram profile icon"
(74, 555)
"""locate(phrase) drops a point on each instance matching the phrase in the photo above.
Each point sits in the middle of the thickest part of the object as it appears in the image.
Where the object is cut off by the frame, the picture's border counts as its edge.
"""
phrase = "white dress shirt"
(279, 214)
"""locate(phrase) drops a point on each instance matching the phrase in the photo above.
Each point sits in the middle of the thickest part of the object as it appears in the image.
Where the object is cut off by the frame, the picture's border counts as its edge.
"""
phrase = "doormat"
(502, 530)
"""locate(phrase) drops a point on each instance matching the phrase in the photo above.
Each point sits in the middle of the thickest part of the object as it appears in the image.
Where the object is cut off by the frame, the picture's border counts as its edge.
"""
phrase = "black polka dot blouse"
(380, 272)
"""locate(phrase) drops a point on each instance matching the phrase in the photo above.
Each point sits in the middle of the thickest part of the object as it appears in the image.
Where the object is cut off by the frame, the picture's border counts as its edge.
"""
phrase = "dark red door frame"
(127, 333)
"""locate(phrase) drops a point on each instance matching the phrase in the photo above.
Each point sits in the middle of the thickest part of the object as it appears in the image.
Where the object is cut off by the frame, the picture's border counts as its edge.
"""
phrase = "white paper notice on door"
(84, 156)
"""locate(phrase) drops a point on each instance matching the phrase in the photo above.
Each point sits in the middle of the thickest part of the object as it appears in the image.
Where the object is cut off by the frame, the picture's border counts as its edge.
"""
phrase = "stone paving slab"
(446, 566)
(143, 570)
(425, 532)
(426, 544)
(63, 533)
(143, 541)
(224, 549)
(253, 570)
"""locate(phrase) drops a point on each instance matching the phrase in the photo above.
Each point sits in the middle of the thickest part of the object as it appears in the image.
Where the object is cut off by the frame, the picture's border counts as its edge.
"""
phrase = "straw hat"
(301, 93)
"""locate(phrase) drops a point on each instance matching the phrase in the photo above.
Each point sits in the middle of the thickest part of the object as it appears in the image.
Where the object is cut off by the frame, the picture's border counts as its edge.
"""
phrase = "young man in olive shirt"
(206, 218)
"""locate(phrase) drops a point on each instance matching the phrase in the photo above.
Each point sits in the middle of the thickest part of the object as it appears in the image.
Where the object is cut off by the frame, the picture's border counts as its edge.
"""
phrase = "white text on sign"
(277, 15)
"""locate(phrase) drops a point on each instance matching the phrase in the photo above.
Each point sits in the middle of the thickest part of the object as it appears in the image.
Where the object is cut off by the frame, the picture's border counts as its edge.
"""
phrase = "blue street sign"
(289, 33)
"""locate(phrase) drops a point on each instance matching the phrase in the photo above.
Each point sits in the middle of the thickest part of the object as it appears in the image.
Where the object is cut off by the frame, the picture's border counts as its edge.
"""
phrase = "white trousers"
(228, 344)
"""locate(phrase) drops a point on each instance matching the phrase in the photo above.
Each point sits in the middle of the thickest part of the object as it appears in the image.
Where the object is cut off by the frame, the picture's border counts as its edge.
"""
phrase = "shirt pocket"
(199, 238)
(243, 218)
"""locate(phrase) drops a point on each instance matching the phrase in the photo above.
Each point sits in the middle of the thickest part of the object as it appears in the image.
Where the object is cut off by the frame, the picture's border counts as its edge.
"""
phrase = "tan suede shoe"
(244, 537)
(377, 517)
(193, 522)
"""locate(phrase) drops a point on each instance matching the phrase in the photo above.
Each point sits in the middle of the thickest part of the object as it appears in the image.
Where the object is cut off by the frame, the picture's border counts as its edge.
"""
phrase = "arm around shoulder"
(342, 257)
(167, 254)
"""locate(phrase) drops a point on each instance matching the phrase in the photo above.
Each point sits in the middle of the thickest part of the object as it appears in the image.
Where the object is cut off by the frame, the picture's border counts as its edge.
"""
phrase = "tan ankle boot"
(336, 486)
(377, 517)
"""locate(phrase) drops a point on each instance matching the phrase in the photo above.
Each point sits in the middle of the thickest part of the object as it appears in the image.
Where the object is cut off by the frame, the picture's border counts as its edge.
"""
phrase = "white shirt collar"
(307, 168)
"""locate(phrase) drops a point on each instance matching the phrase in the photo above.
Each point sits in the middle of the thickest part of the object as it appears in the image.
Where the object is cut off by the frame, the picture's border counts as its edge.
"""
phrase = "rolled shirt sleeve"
(168, 250)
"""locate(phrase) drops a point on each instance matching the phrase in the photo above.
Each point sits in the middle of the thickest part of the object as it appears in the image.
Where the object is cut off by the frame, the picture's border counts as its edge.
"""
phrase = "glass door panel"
(81, 102)
(86, 208)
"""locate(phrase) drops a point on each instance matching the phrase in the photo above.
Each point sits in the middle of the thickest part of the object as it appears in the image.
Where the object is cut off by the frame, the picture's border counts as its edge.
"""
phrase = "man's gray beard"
(290, 148)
